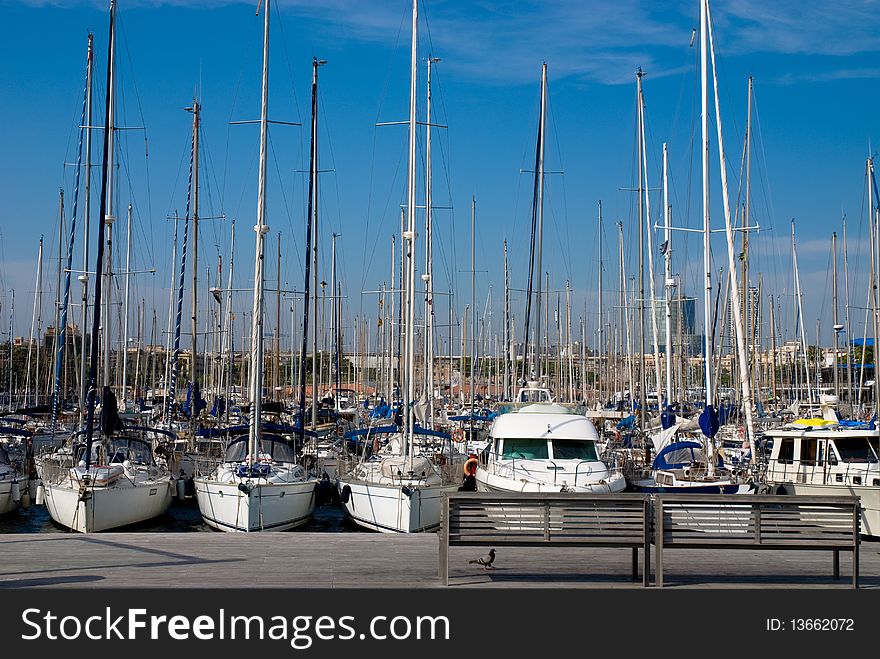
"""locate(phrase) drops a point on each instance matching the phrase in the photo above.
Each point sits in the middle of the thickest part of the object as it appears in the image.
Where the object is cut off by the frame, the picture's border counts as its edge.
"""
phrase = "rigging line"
(382, 97)
(280, 24)
(565, 248)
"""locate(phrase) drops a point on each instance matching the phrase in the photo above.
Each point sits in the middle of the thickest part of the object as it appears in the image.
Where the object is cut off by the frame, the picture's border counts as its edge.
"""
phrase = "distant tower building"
(683, 324)
(752, 319)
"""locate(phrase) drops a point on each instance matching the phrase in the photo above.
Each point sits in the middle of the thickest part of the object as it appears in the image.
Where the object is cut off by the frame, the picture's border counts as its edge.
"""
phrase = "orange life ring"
(458, 435)
(470, 466)
(340, 431)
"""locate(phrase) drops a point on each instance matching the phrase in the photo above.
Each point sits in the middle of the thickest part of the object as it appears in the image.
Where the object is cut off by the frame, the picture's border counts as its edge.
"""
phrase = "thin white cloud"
(502, 41)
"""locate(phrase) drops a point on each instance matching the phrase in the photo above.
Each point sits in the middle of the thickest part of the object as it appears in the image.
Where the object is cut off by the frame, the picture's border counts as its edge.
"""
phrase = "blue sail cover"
(709, 423)
(679, 455)
(627, 423)
(667, 418)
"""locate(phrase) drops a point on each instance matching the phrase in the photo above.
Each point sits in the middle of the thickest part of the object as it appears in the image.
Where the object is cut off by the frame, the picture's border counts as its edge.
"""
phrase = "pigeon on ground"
(485, 561)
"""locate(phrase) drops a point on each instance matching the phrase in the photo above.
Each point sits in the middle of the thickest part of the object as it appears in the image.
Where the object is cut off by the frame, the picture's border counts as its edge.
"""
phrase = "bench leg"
(444, 560)
(836, 564)
(855, 569)
(635, 564)
(646, 577)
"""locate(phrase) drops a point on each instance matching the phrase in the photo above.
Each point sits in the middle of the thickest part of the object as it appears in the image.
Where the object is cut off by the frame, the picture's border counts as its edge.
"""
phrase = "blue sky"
(816, 72)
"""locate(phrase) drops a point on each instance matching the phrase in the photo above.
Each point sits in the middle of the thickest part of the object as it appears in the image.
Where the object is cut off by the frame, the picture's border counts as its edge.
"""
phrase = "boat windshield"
(525, 449)
(275, 447)
(120, 449)
(574, 449)
(855, 449)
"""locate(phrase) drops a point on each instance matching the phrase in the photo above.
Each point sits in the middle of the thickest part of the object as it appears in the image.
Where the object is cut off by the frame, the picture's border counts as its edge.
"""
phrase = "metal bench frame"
(625, 522)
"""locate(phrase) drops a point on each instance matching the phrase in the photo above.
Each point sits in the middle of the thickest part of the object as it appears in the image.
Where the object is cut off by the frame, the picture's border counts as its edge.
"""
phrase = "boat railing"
(811, 472)
(509, 468)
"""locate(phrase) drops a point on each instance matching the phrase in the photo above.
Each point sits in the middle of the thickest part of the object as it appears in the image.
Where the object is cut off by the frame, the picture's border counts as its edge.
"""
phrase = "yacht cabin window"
(574, 449)
(854, 449)
(786, 450)
(524, 449)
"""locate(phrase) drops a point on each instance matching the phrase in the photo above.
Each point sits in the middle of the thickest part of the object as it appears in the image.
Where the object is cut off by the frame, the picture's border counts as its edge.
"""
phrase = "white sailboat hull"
(265, 507)
(398, 508)
(103, 508)
(7, 502)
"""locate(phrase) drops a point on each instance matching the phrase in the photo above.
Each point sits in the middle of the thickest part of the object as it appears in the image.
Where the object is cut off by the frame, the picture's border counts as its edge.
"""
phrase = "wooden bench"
(478, 519)
(782, 522)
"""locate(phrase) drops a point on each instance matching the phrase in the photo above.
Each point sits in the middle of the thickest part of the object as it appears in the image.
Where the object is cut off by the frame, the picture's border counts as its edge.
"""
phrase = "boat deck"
(366, 560)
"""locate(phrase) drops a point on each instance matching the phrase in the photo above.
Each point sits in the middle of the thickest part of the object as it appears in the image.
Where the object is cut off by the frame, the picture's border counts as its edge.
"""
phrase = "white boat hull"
(869, 498)
(265, 507)
(489, 482)
(7, 502)
(398, 508)
(103, 508)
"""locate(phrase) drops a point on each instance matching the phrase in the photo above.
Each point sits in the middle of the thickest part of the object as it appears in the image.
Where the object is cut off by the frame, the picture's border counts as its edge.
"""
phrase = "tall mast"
(745, 230)
(742, 360)
(646, 227)
(539, 342)
(429, 256)
(409, 241)
(837, 327)
(84, 277)
(599, 341)
(473, 297)
(311, 231)
(194, 365)
(103, 215)
(125, 308)
(800, 314)
(261, 230)
(313, 200)
(668, 281)
(109, 217)
(39, 285)
(849, 387)
(507, 344)
(707, 258)
(874, 204)
(276, 383)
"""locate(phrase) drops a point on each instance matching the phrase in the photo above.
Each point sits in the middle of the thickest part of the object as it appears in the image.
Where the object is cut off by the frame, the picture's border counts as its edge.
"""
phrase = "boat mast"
(837, 327)
(428, 277)
(409, 242)
(645, 223)
(540, 217)
(507, 345)
(310, 232)
(669, 282)
(261, 230)
(742, 359)
(707, 258)
(109, 217)
(848, 329)
(473, 354)
(103, 215)
(27, 386)
(84, 277)
(313, 200)
(194, 366)
(125, 309)
(600, 344)
(800, 314)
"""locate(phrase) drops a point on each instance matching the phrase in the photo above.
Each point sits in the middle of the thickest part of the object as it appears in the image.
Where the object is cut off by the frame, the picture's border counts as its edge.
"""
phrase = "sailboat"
(541, 446)
(113, 480)
(398, 483)
(260, 485)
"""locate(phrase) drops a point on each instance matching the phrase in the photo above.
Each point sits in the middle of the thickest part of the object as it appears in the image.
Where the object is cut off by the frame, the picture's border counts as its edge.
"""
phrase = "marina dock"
(361, 560)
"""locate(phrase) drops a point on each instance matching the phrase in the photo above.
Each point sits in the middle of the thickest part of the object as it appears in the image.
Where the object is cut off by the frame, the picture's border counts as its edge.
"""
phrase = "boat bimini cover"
(397, 466)
(679, 455)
